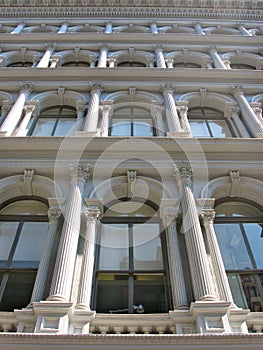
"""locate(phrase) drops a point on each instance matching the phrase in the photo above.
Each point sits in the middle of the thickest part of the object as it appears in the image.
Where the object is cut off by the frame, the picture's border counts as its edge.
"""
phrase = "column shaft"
(22, 130)
(103, 56)
(251, 119)
(44, 265)
(218, 62)
(18, 29)
(65, 263)
(15, 113)
(108, 28)
(171, 112)
(224, 290)
(199, 29)
(44, 62)
(199, 266)
(105, 120)
(160, 58)
(154, 28)
(63, 29)
(244, 31)
(85, 287)
(91, 122)
(157, 114)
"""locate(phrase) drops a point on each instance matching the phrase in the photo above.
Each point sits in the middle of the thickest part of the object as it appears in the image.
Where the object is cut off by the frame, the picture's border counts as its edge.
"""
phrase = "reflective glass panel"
(7, 234)
(219, 128)
(236, 287)
(142, 128)
(199, 128)
(121, 128)
(44, 127)
(64, 125)
(254, 235)
(114, 250)
(147, 247)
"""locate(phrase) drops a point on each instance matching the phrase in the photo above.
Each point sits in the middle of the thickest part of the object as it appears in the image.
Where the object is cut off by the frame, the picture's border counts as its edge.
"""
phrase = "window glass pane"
(254, 236)
(149, 291)
(44, 127)
(199, 128)
(18, 290)
(63, 127)
(130, 208)
(147, 247)
(114, 247)
(142, 128)
(7, 234)
(30, 244)
(112, 295)
(232, 247)
(25, 207)
(219, 128)
(237, 209)
(121, 128)
(250, 286)
(237, 290)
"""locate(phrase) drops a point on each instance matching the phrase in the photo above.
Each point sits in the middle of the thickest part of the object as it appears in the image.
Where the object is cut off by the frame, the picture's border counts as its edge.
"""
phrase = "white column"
(66, 255)
(201, 277)
(22, 130)
(18, 29)
(208, 216)
(171, 111)
(252, 121)
(106, 110)
(108, 28)
(199, 29)
(154, 28)
(54, 62)
(92, 117)
(15, 113)
(80, 108)
(244, 31)
(218, 62)
(157, 113)
(54, 214)
(232, 114)
(183, 108)
(169, 62)
(44, 62)
(85, 286)
(103, 56)
(63, 29)
(159, 57)
(179, 295)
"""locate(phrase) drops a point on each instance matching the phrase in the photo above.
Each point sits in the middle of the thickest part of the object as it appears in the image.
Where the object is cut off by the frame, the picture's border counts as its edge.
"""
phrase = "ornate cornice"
(229, 9)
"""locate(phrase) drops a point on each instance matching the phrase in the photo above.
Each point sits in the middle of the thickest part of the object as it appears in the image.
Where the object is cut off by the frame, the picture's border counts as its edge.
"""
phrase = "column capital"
(96, 87)
(54, 214)
(158, 47)
(237, 90)
(80, 107)
(92, 213)
(26, 87)
(182, 106)
(51, 46)
(183, 175)
(29, 108)
(166, 88)
(169, 210)
(79, 173)
(103, 46)
(208, 216)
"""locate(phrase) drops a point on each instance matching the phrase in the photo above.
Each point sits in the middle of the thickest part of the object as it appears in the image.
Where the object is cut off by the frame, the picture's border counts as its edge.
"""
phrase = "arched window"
(239, 232)
(131, 121)
(76, 64)
(23, 225)
(53, 121)
(208, 122)
(241, 66)
(131, 64)
(130, 269)
(20, 64)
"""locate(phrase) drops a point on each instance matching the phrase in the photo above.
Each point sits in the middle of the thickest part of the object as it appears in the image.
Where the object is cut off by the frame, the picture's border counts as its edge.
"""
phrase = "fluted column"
(54, 214)
(108, 28)
(103, 56)
(199, 29)
(154, 28)
(244, 31)
(15, 113)
(159, 57)
(106, 110)
(66, 255)
(63, 29)
(91, 122)
(252, 121)
(202, 281)
(85, 286)
(232, 114)
(80, 108)
(218, 62)
(171, 111)
(208, 216)
(18, 28)
(22, 130)
(179, 295)
(44, 62)
(183, 108)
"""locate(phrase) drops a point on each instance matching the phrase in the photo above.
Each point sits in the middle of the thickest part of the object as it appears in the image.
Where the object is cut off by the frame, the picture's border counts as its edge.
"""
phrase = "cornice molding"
(228, 9)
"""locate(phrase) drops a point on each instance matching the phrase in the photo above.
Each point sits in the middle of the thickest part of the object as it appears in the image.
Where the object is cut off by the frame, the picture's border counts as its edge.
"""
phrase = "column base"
(80, 319)
(3, 133)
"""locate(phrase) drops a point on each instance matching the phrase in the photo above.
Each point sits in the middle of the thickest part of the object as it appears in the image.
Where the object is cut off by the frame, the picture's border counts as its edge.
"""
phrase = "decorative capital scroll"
(26, 87)
(97, 87)
(79, 173)
(208, 216)
(183, 175)
(29, 108)
(92, 214)
(166, 88)
(54, 214)
(168, 210)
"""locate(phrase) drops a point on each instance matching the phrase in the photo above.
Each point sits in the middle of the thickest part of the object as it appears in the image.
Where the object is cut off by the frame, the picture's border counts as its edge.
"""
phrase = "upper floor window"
(53, 121)
(238, 228)
(23, 225)
(208, 122)
(131, 121)
(130, 271)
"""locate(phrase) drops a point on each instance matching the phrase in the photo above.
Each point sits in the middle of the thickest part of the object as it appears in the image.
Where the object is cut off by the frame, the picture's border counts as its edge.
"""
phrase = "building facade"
(131, 174)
